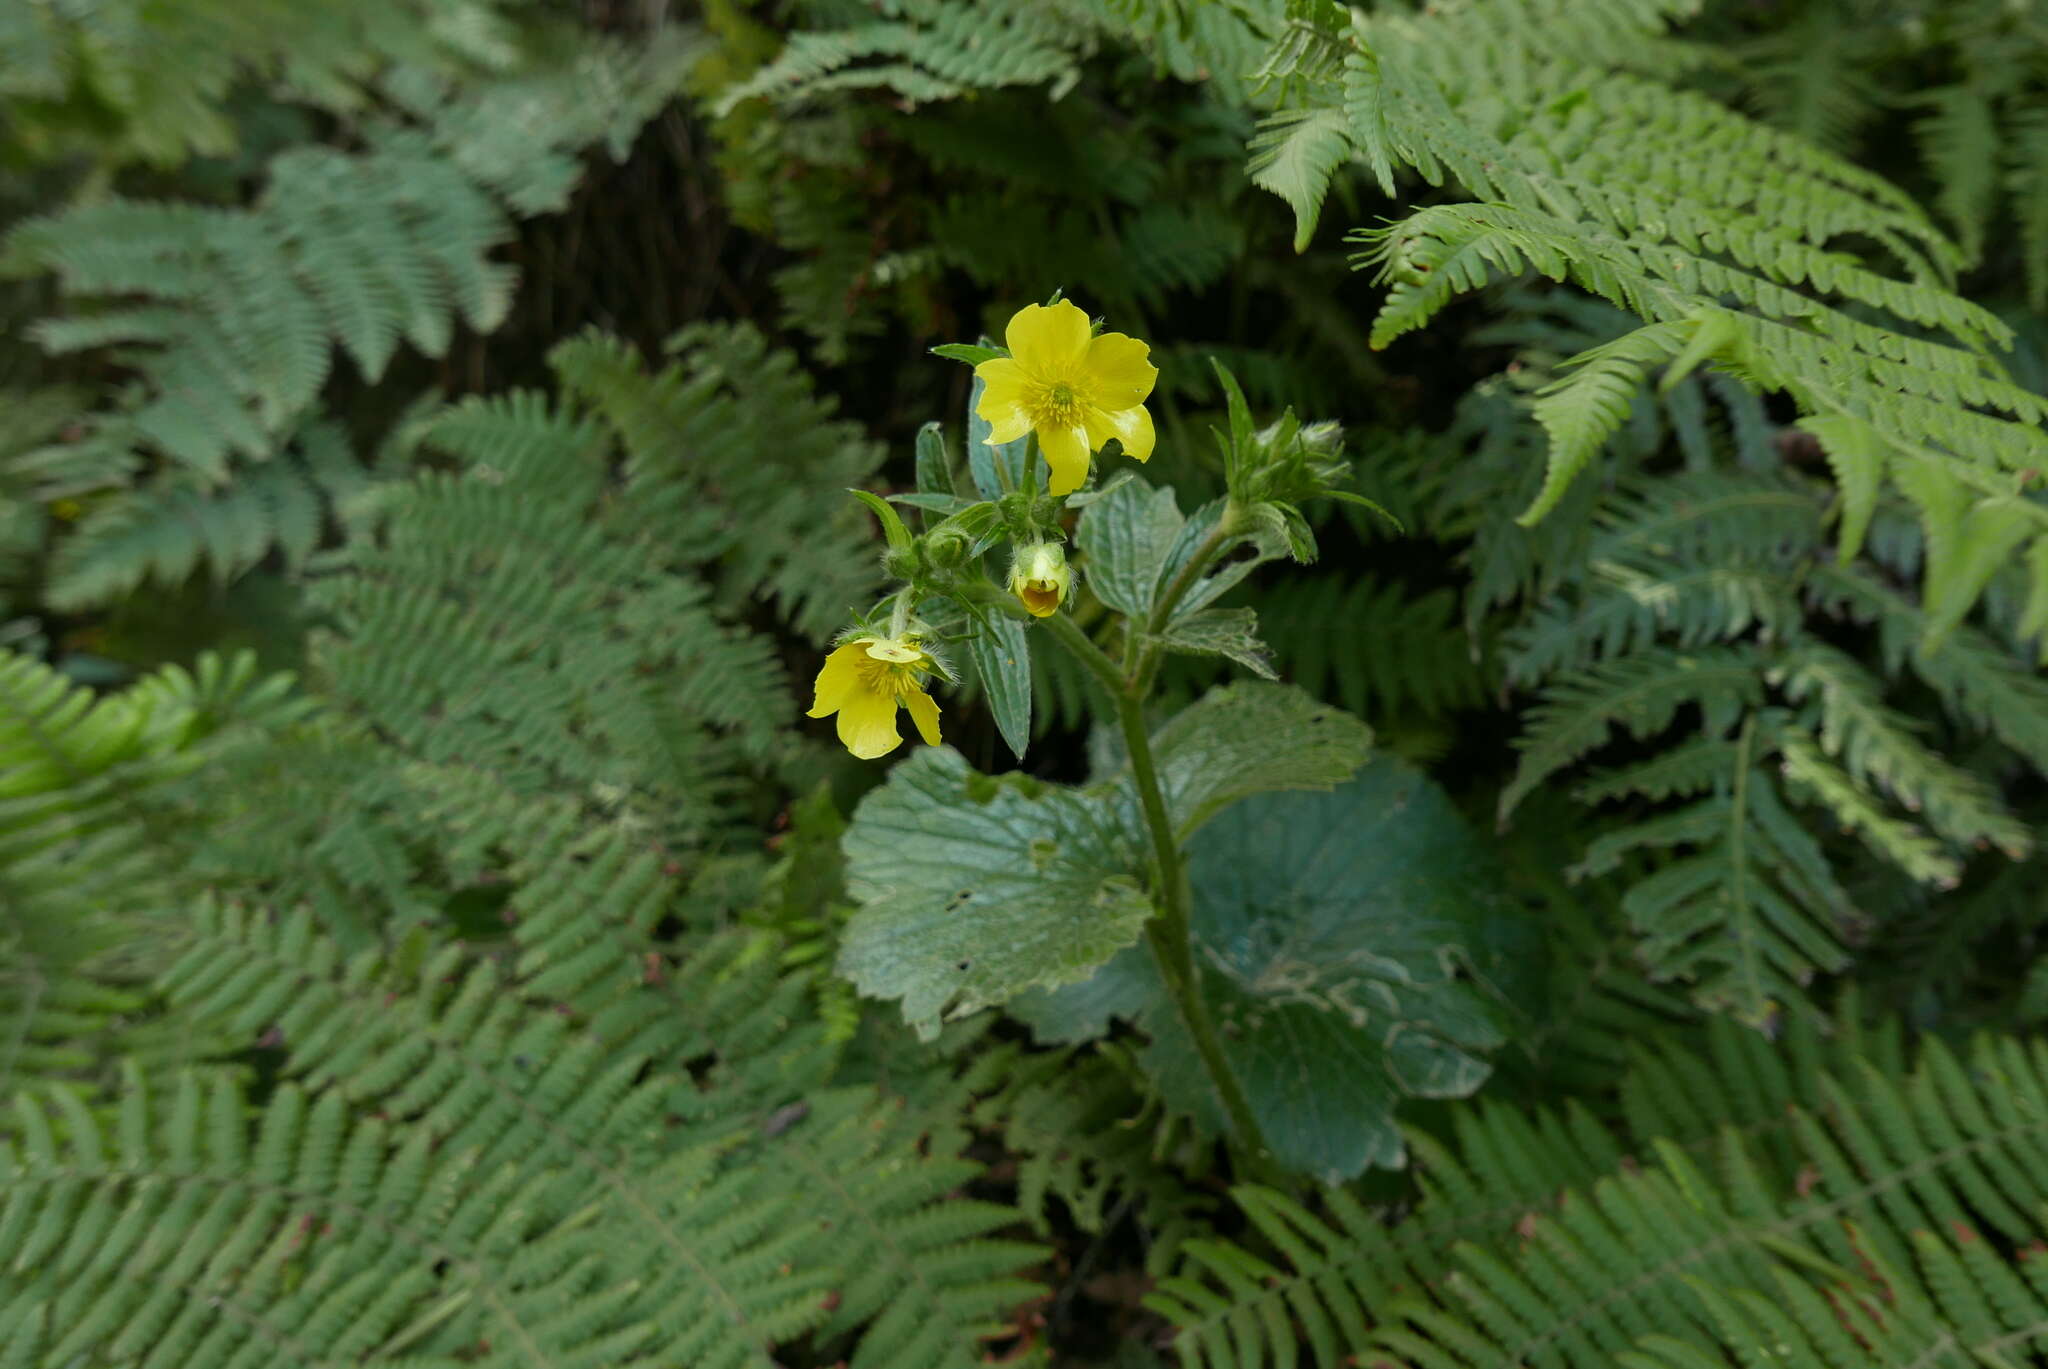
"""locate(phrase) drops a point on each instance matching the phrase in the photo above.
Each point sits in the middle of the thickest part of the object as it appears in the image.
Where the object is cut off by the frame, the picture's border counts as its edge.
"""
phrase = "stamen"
(888, 678)
(1056, 406)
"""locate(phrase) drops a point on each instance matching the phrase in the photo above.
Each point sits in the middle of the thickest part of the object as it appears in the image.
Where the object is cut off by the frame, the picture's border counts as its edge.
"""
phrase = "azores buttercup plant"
(1075, 905)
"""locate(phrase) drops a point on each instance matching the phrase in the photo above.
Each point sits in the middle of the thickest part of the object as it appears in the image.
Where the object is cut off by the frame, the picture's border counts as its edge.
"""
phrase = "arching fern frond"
(91, 847)
(229, 315)
(1880, 1229)
(171, 528)
(668, 1120)
(924, 51)
(130, 80)
(1722, 236)
(734, 427)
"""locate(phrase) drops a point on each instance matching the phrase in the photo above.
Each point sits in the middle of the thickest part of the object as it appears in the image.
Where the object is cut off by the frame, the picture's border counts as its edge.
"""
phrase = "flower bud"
(947, 547)
(1039, 577)
(901, 563)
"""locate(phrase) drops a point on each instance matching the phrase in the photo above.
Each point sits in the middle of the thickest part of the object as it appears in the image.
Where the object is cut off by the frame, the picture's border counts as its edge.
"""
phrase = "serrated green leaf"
(1252, 738)
(936, 478)
(1002, 657)
(976, 888)
(1232, 633)
(1128, 536)
(1330, 930)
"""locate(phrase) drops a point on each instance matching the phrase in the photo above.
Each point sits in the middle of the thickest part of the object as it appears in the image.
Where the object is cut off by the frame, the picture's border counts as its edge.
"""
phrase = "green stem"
(1168, 933)
(1069, 634)
(1184, 579)
(1141, 657)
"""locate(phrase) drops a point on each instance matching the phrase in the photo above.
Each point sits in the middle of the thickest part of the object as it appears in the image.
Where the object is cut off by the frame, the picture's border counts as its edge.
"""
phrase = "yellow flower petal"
(1116, 372)
(1132, 427)
(1066, 456)
(925, 713)
(1049, 343)
(839, 679)
(867, 724)
(1002, 399)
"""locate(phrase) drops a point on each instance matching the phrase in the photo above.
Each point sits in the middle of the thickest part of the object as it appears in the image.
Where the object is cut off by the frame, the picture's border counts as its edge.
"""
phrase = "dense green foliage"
(430, 933)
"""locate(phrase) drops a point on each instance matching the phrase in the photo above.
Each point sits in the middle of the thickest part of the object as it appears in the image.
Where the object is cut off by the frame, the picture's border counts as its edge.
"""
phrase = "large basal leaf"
(1252, 738)
(1356, 947)
(975, 888)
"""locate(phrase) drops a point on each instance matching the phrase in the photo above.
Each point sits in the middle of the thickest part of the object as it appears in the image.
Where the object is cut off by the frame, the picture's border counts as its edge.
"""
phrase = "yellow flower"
(1039, 577)
(1075, 391)
(864, 680)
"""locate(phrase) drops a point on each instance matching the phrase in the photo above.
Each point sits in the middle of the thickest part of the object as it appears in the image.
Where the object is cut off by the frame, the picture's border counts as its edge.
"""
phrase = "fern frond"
(1426, 665)
(1747, 909)
(2030, 195)
(356, 251)
(510, 568)
(1719, 234)
(168, 531)
(1877, 746)
(1090, 1144)
(735, 425)
(90, 846)
(1979, 680)
(1959, 142)
(1294, 155)
(932, 52)
(1628, 609)
(1660, 1259)
(78, 834)
(565, 1073)
(1639, 694)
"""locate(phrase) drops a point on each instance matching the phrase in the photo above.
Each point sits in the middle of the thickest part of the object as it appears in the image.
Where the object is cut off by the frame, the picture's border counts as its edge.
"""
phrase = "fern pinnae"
(1640, 694)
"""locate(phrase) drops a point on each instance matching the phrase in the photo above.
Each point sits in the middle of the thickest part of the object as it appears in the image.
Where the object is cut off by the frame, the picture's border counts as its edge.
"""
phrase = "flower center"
(890, 678)
(1057, 406)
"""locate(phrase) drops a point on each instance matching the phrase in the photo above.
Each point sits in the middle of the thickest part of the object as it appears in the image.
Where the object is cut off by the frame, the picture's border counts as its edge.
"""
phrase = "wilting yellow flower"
(864, 680)
(1075, 391)
(1039, 576)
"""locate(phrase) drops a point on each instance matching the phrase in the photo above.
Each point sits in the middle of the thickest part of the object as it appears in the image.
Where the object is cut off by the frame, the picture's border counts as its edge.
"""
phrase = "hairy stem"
(1168, 933)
